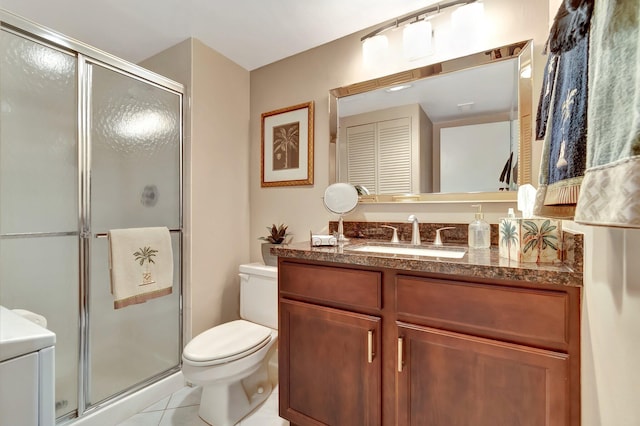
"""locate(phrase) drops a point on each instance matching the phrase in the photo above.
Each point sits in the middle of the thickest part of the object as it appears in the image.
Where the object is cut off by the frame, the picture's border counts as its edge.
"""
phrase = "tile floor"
(181, 408)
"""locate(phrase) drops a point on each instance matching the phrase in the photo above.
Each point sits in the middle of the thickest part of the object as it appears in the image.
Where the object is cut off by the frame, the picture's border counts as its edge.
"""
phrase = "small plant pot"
(268, 258)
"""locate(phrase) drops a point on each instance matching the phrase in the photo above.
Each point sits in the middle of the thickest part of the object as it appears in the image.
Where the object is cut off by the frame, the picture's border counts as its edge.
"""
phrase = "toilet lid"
(226, 340)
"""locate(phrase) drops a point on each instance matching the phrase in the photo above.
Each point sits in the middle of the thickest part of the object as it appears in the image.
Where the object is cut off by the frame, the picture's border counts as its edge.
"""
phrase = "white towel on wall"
(140, 264)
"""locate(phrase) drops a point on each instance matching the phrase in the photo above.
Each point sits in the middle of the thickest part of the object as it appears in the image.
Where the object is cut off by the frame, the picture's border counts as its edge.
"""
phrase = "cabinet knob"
(370, 352)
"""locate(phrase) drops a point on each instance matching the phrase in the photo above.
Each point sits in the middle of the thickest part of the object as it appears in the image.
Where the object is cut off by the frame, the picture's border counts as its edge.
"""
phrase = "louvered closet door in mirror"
(379, 156)
(361, 156)
(394, 156)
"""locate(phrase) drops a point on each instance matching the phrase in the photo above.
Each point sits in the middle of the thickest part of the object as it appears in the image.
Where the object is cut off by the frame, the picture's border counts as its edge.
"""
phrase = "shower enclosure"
(88, 143)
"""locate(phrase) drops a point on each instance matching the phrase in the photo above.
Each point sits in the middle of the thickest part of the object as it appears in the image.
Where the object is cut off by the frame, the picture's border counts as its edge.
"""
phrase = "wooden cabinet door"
(329, 366)
(451, 379)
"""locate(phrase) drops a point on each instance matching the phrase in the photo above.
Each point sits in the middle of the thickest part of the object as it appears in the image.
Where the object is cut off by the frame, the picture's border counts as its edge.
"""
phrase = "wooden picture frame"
(287, 146)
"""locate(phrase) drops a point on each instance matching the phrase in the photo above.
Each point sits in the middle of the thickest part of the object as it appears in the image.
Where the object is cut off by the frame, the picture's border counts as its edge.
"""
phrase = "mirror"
(340, 198)
(457, 130)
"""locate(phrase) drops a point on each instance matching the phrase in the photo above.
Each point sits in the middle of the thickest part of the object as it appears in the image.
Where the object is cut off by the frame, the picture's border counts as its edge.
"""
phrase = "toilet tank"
(259, 294)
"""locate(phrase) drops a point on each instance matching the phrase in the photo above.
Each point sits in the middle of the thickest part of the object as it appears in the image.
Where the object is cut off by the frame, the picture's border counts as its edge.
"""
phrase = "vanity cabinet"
(455, 379)
(333, 370)
(380, 346)
(331, 363)
(482, 354)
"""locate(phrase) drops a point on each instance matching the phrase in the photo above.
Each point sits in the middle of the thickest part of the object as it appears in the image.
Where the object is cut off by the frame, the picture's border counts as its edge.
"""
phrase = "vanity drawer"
(532, 317)
(342, 286)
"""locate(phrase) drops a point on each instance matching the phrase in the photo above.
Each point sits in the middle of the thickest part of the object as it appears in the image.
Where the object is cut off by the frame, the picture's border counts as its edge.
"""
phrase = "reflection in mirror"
(449, 129)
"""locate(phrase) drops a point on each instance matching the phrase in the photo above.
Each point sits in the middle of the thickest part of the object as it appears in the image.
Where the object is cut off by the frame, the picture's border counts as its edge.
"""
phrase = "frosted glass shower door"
(135, 135)
(39, 266)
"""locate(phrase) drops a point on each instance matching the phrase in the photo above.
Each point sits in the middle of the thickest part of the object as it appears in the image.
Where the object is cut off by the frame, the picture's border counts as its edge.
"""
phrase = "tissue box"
(536, 240)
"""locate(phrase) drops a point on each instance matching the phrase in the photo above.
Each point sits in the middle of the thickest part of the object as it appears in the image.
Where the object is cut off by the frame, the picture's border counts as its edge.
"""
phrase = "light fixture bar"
(396, 22)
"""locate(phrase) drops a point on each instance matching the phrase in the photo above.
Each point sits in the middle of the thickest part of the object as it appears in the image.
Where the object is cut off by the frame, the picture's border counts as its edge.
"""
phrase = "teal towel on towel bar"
(610, 192)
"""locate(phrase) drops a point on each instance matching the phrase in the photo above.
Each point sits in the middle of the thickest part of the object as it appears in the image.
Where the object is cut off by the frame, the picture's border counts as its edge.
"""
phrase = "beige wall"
(216, 214)
(310, 75)
(610, 324)
(611, 298)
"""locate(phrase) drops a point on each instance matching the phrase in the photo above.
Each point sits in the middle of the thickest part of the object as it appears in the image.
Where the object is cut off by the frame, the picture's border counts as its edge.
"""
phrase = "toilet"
(236, 362)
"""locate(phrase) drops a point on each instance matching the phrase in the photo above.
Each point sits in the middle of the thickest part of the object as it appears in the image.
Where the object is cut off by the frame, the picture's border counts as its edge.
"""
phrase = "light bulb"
(416, 40)
(374, 50)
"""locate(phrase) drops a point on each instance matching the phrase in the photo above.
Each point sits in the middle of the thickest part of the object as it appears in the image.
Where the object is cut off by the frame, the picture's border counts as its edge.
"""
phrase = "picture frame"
(287, 146)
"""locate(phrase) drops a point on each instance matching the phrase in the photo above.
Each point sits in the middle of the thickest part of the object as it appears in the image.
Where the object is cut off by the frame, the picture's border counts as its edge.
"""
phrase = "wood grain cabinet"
(360, 346)
(331, 363)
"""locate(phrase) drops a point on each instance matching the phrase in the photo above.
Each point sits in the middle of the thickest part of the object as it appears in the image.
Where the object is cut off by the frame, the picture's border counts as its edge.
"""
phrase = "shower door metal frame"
(87, 55)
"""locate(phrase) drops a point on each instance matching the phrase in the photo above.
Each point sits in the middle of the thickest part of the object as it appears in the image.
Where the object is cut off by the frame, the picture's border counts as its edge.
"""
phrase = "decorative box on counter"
(536, 240)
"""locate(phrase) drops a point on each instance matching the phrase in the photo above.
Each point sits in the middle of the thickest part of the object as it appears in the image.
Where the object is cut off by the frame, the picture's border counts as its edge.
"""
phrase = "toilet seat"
(226, 342)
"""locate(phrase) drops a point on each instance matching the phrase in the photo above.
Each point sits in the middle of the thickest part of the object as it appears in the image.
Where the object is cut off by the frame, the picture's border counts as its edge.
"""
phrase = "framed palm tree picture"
(287, 146)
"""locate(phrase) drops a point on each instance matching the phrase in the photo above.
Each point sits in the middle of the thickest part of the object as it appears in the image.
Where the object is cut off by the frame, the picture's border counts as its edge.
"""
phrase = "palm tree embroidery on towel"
(146, 254)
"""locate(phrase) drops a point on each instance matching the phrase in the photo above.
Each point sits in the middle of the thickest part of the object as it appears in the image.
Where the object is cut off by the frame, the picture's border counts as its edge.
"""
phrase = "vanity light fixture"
(374, 50)
(468, 14)
(416, 40)
(467, 25)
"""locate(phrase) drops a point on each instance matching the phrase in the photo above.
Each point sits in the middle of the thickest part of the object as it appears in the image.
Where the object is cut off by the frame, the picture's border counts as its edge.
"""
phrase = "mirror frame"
(522, 51)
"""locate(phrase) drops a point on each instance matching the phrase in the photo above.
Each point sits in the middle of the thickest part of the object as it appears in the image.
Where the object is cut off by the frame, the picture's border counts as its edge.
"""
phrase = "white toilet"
(236, 362)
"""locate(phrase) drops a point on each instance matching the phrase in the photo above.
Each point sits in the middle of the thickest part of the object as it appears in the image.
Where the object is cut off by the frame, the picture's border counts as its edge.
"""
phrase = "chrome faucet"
(394, 238)
(415, 230)
(438, 240)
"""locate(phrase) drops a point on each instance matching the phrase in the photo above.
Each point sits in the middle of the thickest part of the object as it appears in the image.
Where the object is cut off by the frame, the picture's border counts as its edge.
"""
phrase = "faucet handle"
(394, 239)
(438, 241)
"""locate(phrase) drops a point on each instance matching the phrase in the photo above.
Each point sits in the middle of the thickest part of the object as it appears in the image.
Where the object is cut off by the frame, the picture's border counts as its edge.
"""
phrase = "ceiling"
(252, 33)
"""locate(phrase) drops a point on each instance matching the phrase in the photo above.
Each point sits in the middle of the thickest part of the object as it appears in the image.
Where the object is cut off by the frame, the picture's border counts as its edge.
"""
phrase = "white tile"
(183, 416)
(158, 406)
(185, 397)
(143, 419)
(265, 414)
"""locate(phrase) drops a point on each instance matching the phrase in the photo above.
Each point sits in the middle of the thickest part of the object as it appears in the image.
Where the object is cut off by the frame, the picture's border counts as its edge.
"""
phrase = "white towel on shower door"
(140, 264)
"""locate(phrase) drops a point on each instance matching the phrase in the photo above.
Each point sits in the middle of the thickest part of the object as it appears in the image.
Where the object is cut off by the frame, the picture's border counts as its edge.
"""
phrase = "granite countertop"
(478, 263)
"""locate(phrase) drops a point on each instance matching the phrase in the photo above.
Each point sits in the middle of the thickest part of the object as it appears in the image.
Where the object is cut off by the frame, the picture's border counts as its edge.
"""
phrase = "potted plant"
(277, 235)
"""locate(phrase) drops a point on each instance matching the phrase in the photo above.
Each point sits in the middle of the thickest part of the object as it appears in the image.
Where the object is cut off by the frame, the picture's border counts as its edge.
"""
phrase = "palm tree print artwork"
(539, 238)
(509, 234)
(146, 254)
(286, 146)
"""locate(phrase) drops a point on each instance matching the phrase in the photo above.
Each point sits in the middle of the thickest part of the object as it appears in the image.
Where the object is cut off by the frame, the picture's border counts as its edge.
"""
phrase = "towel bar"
(104, 234)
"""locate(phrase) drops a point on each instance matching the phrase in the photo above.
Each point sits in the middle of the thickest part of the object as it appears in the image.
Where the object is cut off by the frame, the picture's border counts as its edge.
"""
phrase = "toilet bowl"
(235, 363)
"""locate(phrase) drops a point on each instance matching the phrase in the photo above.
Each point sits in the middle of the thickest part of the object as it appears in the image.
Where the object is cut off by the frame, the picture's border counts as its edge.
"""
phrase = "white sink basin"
(447, 252)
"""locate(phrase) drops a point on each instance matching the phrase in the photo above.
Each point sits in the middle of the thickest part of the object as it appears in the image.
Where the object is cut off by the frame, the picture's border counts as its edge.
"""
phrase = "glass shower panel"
(39, 266)
(38, 142)
(41, 275)
(135, 182)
